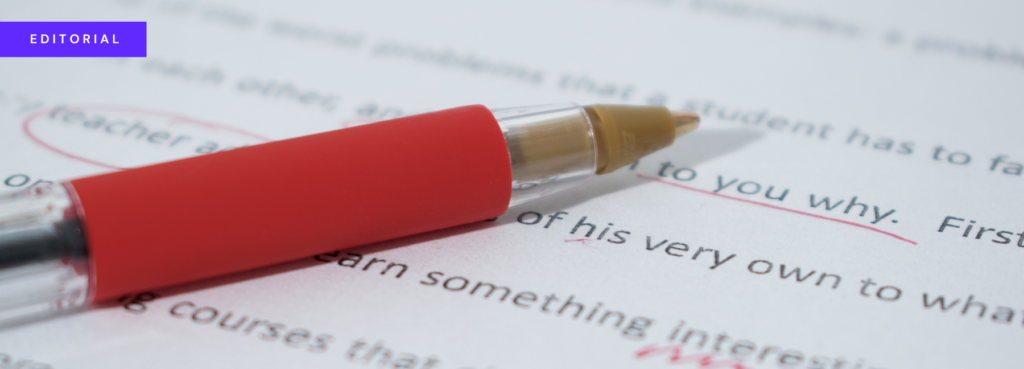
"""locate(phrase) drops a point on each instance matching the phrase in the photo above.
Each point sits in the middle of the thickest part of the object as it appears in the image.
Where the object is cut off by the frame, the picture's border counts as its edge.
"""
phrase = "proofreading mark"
(675, 356)
(582, 241)
(890, 234)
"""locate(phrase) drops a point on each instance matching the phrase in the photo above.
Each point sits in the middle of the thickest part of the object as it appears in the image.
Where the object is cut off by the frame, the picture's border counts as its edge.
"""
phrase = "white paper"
(906, 76)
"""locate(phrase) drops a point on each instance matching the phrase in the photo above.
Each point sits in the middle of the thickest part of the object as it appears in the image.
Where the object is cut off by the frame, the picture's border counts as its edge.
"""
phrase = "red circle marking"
(174, 119)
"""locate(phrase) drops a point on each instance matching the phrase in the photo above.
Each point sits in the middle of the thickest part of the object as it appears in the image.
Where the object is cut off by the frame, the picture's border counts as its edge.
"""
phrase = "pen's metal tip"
(686, 121)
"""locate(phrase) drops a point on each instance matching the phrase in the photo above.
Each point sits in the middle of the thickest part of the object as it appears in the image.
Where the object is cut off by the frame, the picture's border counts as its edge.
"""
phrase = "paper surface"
(800, 227)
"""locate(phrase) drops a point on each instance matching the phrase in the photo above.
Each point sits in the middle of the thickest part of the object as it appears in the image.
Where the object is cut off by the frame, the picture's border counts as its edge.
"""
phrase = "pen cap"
(624, 134)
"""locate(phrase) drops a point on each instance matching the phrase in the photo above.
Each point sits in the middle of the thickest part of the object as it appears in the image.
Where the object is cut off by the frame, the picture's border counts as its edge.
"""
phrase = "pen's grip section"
(200, 217)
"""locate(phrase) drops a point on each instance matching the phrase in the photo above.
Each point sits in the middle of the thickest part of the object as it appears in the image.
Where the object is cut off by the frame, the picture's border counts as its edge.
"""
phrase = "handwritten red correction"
(675, 356)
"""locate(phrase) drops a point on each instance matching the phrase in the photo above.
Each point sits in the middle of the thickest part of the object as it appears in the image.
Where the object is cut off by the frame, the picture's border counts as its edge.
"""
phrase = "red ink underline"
(775, 207)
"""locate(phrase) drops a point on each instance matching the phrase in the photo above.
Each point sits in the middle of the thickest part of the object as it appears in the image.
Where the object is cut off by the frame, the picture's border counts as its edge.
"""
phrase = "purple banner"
(72, 39)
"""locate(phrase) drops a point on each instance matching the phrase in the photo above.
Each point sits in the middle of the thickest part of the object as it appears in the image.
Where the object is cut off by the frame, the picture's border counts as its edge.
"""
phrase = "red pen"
(97, 238)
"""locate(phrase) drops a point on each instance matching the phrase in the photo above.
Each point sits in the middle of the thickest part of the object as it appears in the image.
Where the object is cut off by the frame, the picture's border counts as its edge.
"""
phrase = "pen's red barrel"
(65, 245)
(215, 214)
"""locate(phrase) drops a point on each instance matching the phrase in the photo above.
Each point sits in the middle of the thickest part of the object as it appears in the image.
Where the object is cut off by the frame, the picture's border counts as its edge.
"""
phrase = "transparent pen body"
(551, 148)
(44, 258)
(44, 266)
